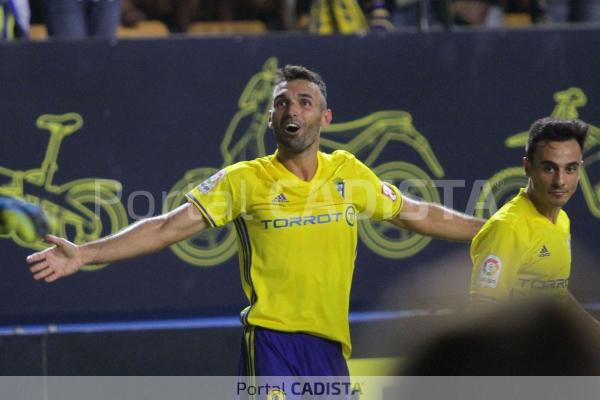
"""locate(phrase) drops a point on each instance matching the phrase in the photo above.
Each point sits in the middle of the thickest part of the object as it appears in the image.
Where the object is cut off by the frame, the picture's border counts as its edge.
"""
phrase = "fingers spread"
(53, 277)
(54, 240)
(43, 274)
(39, 266)
(35, 257)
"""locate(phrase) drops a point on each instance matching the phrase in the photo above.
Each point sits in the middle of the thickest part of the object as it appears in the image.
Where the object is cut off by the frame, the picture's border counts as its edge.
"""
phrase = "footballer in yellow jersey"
(297, 239)
(524, 250)
(520, 253)
(296, 215)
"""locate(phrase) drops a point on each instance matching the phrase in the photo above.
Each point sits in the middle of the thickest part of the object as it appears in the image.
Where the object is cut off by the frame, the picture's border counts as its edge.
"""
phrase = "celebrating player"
(296, 214)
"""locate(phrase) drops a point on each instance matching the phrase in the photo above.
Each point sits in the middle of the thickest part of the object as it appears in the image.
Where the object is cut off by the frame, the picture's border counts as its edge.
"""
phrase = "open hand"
(63, 259)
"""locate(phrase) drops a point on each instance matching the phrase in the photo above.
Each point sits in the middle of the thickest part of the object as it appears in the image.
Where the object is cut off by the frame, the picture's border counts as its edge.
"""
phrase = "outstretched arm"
(435, 220)
(143, 237)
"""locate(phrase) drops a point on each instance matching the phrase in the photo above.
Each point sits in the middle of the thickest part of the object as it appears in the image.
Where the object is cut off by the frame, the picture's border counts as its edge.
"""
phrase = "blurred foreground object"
(14, 19)
(26, 220)
(537, 338)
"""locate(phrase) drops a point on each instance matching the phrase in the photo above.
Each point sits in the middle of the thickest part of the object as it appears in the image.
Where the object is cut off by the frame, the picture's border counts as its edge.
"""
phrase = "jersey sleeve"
(497, 253)
(216, 198)
(374, 198)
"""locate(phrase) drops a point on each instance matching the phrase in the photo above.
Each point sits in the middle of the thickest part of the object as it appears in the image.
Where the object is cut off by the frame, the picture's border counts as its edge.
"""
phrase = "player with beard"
(295, 213)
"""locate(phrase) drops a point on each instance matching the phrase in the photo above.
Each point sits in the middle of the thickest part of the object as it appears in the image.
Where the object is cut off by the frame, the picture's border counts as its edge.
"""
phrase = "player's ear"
(326, 118)
(271, 118)
(526, 166)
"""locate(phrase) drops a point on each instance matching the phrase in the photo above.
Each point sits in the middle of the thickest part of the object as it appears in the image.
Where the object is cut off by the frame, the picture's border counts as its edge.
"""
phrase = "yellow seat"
(38, 32)
(142, 29)
(252, 27)
(516, 19)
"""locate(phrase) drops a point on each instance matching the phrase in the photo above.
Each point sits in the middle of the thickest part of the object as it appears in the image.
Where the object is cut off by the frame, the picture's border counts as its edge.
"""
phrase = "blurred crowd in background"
(109, 18)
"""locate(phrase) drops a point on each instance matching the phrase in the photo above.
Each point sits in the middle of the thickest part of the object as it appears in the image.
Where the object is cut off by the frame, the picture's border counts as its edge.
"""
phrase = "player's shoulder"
(250, 166)
(345, 163)
(342, 159)
(515, 211)
(240, 171)
(341, 155)
(510, 219)
(261, 170)
(504, 223)
(496, 232)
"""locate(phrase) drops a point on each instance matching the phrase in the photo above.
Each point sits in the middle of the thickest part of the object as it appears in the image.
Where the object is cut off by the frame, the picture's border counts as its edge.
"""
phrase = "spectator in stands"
(435, 13)
(82, 18)
(176, 14)
(338, 16)
(271, 12)
(560, 11)
(14, 19)
(487, 13)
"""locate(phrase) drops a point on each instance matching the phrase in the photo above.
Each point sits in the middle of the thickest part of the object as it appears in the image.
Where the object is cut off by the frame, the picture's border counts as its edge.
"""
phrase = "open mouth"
(292, 127)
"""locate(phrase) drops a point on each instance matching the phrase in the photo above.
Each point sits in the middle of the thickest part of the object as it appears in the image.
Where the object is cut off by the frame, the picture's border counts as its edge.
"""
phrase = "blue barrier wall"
(148, 117)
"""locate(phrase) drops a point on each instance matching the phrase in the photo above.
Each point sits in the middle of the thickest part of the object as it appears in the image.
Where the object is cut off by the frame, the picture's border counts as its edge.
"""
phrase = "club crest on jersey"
(388, 191)
(340, 187)
(490, 272)
(211, 182)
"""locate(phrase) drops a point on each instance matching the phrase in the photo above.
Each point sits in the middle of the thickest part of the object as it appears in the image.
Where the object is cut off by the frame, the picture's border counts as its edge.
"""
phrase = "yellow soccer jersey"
(519, 253)
(297, 239)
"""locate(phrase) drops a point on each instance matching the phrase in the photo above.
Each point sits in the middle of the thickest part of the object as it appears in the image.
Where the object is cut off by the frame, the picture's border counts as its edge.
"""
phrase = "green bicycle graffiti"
(366, 137)
(81, 210)
(505, 184)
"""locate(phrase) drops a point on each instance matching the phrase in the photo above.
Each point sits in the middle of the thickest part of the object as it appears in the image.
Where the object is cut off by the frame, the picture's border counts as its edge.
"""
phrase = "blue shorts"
(266, 352)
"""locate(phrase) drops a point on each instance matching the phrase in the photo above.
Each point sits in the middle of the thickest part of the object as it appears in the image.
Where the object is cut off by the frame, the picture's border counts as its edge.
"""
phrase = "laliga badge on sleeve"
(489, 275)
(211, 182)
(388, 191)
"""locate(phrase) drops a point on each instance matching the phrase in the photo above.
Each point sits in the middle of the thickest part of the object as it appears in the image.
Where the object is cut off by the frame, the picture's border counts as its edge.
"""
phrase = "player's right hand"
(63, 259)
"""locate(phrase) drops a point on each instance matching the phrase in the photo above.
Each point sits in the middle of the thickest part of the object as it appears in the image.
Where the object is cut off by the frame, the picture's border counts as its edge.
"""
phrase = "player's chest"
(287, 204)
(293, 196)
(548, 256)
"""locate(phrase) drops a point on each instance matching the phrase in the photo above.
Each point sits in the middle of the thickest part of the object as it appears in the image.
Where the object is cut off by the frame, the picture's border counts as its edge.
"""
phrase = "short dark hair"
(295, 72)
(555, 130)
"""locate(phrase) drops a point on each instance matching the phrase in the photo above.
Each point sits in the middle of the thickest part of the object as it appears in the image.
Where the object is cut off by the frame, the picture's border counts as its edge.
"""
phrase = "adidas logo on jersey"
(280, 198)
(544, 251)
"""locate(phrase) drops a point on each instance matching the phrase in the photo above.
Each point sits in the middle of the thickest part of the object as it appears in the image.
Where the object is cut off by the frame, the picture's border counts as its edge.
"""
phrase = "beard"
(296, 144)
